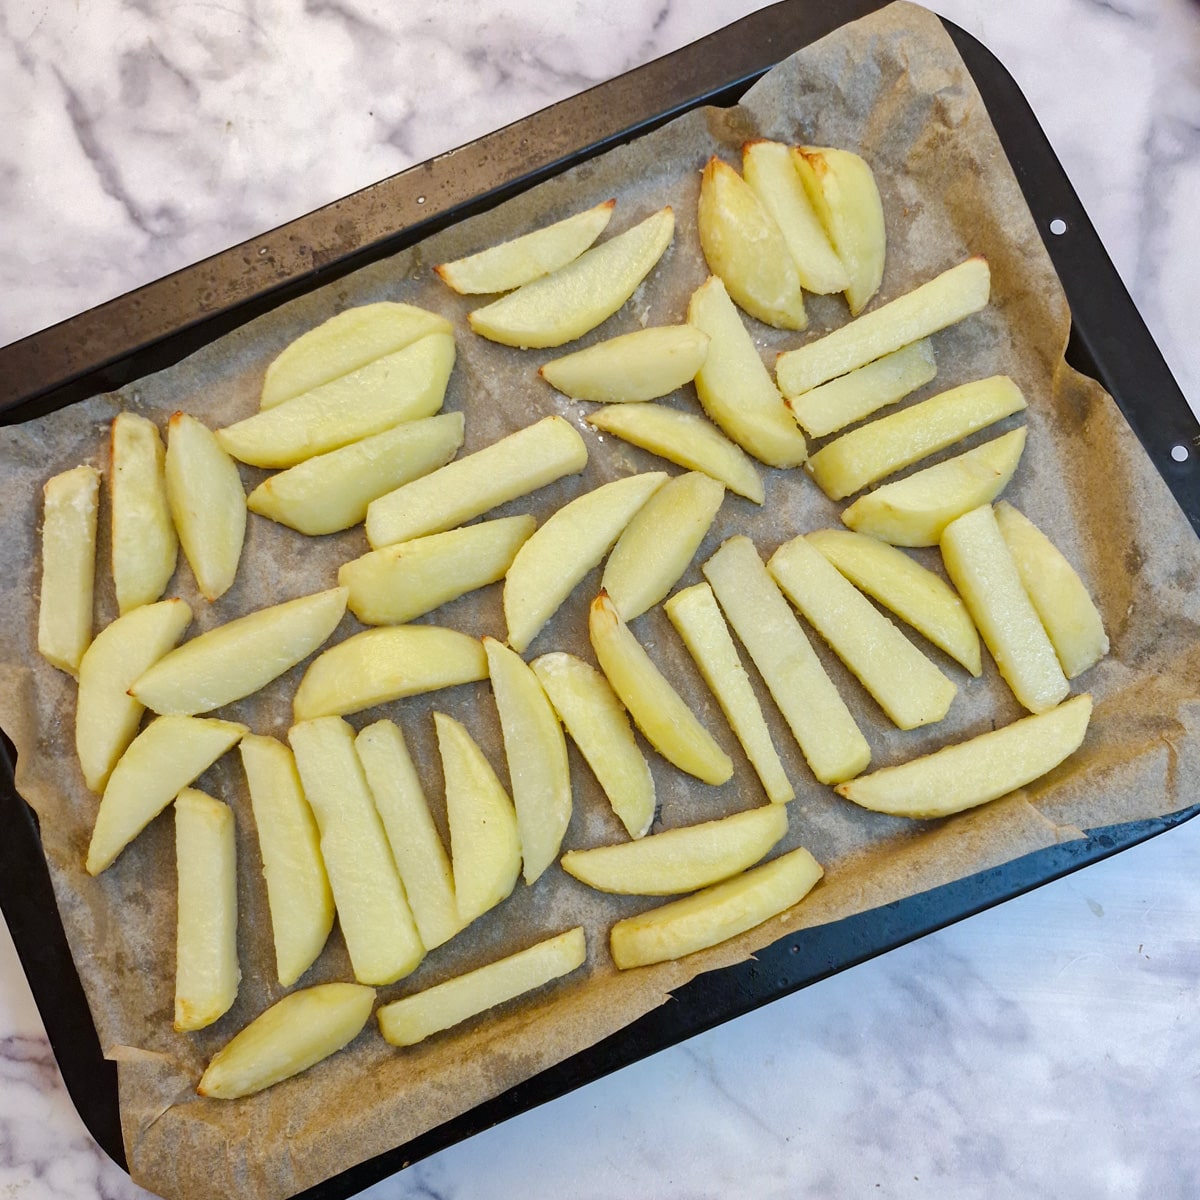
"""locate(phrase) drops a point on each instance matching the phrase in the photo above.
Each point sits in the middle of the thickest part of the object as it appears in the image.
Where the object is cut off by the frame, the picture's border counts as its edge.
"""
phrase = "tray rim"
(904, 920)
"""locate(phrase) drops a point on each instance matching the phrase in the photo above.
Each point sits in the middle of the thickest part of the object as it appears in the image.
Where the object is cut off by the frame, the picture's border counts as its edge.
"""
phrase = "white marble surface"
(1047, 1048)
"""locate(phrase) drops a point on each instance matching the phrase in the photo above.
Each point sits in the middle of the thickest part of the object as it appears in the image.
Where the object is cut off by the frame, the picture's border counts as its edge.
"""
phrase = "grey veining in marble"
(1050, 1047)
(45, 1151)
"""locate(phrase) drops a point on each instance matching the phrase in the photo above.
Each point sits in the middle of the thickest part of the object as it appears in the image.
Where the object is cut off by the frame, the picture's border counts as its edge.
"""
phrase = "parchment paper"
(891, 87)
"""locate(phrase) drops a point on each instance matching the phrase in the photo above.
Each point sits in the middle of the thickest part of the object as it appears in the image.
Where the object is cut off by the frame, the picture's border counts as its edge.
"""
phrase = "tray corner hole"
(1180, 453)
(1058, 227)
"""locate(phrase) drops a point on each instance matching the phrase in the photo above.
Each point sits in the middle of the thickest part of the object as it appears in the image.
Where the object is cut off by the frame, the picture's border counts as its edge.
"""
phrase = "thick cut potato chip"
(942, 301)
(973, 772)
(523, 259)
(72, 501)
(344, 343)
(561, 307)
(715, 914)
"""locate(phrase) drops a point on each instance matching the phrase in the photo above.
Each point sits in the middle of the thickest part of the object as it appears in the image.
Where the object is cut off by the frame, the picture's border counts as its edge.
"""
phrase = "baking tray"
(148, 329)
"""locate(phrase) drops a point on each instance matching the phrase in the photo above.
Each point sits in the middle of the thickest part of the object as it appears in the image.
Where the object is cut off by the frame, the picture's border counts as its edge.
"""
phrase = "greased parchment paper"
(891, 87)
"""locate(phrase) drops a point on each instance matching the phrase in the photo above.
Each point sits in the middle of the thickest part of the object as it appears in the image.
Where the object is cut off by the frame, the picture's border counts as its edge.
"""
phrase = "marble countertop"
(1049, 1047)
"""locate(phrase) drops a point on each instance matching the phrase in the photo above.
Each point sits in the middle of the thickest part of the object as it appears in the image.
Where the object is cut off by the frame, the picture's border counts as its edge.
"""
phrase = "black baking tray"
(148, 329)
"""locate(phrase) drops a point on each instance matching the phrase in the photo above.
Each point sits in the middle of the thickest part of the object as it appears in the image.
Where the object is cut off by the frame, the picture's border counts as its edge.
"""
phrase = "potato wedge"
(942, 301)
(599, 726)
(376, 921)
(528, 257)
(561, 307)
(208, 505)
(416, 845)
(239, 657)
(684, 438)
(851, 397)
(743, 245)
(412, 1019)
(298, 893)
(386, 664)
(716, 914)
(292, 1035)
(106, 716)
(735, 388)
(397, 583)
(1068, 614)
(551, 564)
(655, 706)
(333, 491)
(916, 595)
(844, 195)
(914, 511)
(404, 386)
(169, 754)
(683, 859)
(660, 542)
(767, 168)
(906, 685)
(642, 365)
(485, 847)
(344, 343)
(975, 771)
(882, 447)
(537, 757)
(144, 542)
(206, 958)
(981, 567)
(817, 715)
(514, 466)
(697, 617)
(72, 501)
